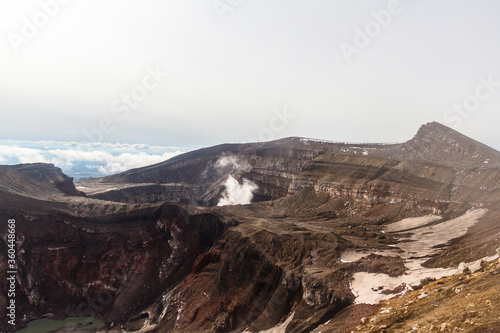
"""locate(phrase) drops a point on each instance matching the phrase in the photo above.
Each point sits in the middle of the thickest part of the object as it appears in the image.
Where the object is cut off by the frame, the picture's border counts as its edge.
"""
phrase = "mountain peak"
(438, 129)
(442, 144)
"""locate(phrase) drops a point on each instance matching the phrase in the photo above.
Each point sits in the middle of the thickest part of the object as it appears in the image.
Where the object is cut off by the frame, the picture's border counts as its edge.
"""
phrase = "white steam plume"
(236, 193)
(233, 163)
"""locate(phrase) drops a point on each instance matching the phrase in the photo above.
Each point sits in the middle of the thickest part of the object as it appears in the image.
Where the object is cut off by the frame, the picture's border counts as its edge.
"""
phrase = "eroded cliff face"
(259, 281)
(198, 177)
(438, 165)
(112, 248)
(110, 264)
(38, 180)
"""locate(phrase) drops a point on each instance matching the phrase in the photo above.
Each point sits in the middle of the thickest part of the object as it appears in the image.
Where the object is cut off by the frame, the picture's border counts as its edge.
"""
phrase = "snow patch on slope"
(415, 249)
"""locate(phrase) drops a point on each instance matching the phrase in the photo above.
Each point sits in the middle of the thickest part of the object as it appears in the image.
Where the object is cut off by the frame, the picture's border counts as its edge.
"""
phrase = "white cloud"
(105, 158)
(22, 154)
(129, 161)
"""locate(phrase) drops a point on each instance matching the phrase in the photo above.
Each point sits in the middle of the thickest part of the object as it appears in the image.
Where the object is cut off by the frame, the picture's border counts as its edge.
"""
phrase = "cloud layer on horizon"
(90, 158)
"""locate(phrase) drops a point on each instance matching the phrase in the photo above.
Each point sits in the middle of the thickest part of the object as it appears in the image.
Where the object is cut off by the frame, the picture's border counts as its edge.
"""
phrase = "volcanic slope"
(324, 216)
(438, 164)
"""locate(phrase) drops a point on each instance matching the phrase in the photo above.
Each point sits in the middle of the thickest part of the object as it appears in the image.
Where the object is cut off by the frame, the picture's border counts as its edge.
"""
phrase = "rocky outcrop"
(105, 265)
(38, 179)
(259, 282)
(120, 253)
(439, 165)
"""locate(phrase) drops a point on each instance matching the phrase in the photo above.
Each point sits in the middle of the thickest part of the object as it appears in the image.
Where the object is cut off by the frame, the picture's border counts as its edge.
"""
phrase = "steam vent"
(293, 235)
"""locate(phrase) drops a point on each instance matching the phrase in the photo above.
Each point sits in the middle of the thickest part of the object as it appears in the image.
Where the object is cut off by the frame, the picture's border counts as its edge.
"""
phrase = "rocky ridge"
(112, 248)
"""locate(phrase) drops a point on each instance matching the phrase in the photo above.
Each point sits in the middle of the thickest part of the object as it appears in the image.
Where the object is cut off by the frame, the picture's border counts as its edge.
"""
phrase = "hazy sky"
(240, 70)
